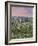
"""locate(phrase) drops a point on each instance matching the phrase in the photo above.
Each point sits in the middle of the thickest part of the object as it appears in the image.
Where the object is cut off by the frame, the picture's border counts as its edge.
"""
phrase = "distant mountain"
(22, 18)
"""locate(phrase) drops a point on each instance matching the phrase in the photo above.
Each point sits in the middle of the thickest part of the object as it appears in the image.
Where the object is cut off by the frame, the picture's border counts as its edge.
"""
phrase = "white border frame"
(34, 25)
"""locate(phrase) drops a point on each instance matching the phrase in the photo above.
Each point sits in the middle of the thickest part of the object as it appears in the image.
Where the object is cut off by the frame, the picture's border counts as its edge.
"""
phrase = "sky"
(21, 11)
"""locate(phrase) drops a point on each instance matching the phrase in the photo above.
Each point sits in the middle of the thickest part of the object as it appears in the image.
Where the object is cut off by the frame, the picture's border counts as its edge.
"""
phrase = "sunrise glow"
(21, 11)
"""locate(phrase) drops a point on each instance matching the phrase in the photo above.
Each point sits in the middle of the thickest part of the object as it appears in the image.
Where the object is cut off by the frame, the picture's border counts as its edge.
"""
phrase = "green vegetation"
(21, 30)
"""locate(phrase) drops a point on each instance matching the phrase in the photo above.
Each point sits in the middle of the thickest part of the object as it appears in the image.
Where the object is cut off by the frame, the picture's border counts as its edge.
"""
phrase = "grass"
(21, 30)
